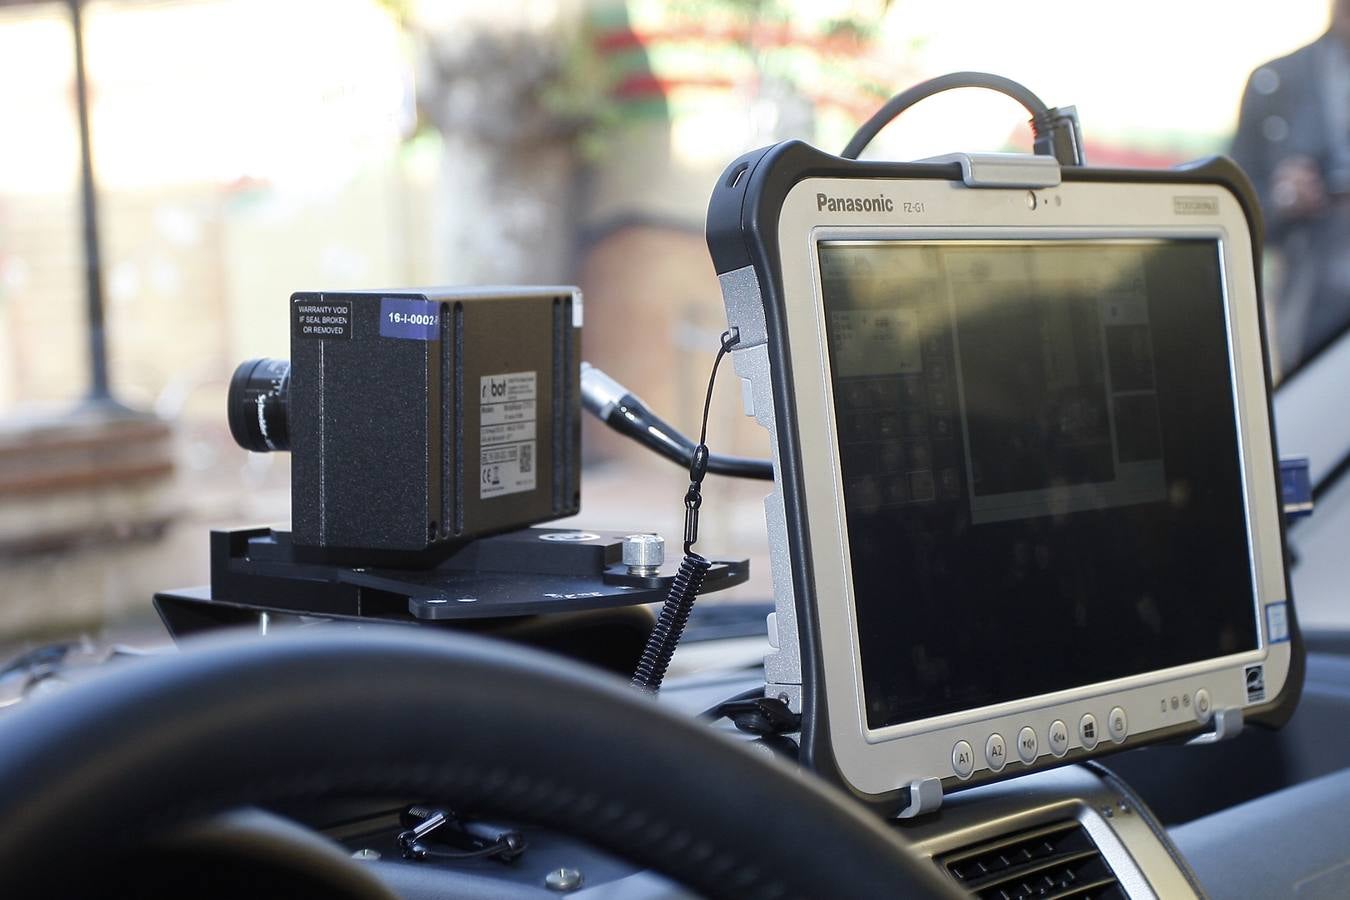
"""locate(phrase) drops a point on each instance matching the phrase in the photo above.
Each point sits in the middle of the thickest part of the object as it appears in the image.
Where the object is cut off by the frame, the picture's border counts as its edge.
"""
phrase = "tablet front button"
(1059, 737)
(1087, 731)
(1117, 724)
(963, 759)
(1027, 745)
(995, 752)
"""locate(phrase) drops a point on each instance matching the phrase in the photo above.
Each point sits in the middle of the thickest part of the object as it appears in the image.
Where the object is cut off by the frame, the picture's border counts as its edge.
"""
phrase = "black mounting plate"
(530, 572)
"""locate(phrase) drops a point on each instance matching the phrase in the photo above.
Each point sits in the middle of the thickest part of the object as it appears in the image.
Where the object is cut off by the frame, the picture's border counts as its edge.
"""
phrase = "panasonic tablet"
(1026, 506)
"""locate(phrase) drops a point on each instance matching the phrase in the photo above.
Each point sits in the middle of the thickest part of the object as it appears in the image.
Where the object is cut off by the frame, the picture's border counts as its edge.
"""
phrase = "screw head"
(563, 880)
(643, 554)
(569, 537)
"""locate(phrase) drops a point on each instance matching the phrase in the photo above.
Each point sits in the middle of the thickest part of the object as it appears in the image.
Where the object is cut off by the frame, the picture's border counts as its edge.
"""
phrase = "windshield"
(241, 150)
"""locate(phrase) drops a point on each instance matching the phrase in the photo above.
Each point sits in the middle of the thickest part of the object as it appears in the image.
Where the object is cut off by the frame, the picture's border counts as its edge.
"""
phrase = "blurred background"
(245, 149)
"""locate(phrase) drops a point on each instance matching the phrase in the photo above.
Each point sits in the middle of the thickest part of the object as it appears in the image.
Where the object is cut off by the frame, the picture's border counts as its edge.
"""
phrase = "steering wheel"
(101, 768)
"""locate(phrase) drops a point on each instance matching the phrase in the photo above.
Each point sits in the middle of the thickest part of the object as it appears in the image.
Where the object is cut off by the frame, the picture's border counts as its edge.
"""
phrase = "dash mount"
(529, 572)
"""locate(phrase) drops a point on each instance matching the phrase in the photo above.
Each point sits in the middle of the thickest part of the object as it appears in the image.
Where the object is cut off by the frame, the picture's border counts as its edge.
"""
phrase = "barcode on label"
(526, 458)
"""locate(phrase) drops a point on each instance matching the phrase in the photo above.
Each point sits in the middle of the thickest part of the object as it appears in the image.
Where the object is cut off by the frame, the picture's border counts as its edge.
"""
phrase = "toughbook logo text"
(1196, 206)
(880, 203)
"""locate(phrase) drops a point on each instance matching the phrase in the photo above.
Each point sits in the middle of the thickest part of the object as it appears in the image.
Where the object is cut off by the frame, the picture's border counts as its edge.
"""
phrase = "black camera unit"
(418, 420)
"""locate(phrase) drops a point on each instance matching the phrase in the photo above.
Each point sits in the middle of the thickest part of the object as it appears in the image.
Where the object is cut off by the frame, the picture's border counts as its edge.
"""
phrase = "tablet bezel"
(880, 762)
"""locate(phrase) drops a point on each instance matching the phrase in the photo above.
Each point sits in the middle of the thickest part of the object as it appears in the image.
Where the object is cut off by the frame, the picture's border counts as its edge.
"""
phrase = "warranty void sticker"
(322, 319)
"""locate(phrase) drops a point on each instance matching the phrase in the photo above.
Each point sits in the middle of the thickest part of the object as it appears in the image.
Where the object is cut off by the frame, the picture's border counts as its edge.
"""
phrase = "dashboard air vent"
(1052, 862)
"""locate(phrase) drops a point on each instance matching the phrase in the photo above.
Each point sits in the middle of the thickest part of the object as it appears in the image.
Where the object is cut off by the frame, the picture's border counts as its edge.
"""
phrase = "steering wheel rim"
(393, 712)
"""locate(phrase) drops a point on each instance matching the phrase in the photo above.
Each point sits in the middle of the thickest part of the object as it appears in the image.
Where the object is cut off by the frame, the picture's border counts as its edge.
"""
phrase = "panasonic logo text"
(880, 203)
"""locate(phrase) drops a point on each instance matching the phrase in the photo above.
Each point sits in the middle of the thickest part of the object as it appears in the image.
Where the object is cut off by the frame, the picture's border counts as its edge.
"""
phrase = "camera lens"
(257, 405)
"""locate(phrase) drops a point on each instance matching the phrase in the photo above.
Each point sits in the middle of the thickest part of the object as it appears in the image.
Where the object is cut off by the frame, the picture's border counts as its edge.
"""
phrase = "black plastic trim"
(1122, 787)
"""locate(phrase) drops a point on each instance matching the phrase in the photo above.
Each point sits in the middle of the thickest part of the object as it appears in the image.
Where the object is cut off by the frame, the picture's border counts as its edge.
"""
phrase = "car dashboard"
(1255, 816)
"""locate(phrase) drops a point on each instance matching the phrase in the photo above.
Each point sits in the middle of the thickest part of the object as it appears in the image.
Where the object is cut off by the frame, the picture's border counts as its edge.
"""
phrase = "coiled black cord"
(669, 628)
(665, 636)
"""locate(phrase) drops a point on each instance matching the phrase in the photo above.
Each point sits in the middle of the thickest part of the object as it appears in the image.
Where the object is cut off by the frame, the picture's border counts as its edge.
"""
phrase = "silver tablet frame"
(879, 761)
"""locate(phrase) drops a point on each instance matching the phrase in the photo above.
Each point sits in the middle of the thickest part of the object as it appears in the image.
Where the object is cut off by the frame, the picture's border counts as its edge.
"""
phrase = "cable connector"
(693, 498)
(1057, 133)
(759, 716)
(626, 413)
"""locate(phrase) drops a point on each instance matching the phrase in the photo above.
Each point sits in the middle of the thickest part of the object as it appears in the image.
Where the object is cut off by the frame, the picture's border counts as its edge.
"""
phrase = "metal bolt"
(563, 880)
(366, 853)
(643, 554)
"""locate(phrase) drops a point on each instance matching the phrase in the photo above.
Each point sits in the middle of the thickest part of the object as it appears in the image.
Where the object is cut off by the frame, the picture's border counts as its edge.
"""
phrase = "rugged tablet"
(1026, 500)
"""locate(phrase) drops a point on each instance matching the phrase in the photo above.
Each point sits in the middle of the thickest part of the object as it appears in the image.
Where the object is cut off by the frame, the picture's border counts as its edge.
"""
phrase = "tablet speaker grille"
(1054, 861)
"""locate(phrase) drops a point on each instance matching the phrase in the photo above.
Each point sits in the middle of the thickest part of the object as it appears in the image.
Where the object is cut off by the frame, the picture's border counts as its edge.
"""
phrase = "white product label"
(508, 413)
(1277, 622)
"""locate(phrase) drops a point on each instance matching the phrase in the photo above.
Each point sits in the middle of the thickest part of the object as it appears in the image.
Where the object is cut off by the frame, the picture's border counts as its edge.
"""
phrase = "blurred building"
(245, 149)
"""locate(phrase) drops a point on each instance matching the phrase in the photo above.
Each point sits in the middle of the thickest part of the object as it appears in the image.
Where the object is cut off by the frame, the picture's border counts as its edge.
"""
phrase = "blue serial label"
(411, 320)
(1296, 487)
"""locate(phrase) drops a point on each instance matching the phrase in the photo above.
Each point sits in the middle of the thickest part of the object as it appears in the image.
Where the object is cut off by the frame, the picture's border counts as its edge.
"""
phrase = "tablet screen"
(1039, 455)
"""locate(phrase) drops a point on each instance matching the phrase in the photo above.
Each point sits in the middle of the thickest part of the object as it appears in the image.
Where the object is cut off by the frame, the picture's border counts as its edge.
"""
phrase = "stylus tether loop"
(698, 463)
(669, 627)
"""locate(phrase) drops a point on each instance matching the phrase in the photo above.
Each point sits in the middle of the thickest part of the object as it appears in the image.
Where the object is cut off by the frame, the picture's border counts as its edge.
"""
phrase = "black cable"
(485, 841)
(620, 409)
(422, 851)
(1055, 130)
(715, 711)
(925, 89)
(670, 624)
